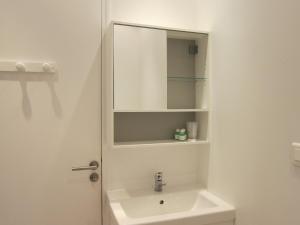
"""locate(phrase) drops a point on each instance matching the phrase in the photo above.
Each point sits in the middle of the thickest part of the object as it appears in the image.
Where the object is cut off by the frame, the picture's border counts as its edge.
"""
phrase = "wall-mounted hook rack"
(30, 67)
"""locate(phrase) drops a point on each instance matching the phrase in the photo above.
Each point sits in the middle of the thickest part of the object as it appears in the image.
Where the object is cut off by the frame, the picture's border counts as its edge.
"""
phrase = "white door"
(140, 68)
(49, 124)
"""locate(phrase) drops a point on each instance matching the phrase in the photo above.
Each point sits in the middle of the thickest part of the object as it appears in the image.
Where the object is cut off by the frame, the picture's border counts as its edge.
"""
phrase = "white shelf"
(157, 143)
(163, 110)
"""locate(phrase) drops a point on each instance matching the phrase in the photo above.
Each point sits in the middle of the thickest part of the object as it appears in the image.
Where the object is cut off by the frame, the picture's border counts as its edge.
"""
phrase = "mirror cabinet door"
(140, 68)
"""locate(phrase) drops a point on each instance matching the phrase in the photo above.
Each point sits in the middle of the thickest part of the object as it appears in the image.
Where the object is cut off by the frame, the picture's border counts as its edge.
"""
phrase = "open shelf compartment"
(156, 128)
(187, 83)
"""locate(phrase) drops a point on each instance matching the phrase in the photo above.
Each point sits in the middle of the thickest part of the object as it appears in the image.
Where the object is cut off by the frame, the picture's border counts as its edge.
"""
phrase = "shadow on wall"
(23, 79)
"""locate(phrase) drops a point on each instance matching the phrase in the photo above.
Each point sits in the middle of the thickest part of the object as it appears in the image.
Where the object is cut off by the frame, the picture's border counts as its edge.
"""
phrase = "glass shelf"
(186, 78)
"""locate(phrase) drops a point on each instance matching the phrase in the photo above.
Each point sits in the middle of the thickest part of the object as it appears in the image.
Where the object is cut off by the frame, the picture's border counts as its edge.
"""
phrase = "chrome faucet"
(158, 185)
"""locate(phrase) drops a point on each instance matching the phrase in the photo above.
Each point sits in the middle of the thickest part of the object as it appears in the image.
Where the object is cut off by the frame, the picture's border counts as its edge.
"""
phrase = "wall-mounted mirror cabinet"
(160, 82)
(157, 69)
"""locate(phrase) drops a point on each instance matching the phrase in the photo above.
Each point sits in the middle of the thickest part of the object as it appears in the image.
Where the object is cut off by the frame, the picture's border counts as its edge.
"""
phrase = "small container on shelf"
(182, 135)
(176, 135)
(192, 130)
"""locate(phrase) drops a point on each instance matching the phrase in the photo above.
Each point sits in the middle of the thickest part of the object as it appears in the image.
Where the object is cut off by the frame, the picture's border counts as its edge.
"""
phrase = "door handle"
(92, 166)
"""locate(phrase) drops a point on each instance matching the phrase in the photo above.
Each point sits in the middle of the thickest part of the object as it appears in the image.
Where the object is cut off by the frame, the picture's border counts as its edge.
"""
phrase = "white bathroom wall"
(255, 78)
(254, 61)
(171, 13)
(254, 66)
(135, 168)
(48, 124)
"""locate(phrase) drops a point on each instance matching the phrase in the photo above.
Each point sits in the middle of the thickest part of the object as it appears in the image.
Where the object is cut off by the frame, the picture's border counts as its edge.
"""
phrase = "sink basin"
(178, 207)
(140, 207)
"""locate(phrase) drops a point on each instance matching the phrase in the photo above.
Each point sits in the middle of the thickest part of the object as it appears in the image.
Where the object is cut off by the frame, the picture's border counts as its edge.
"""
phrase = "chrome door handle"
(92, 166)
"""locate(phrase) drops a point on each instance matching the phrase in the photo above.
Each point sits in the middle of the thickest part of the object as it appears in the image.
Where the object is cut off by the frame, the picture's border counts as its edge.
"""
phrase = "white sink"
(173, 207)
